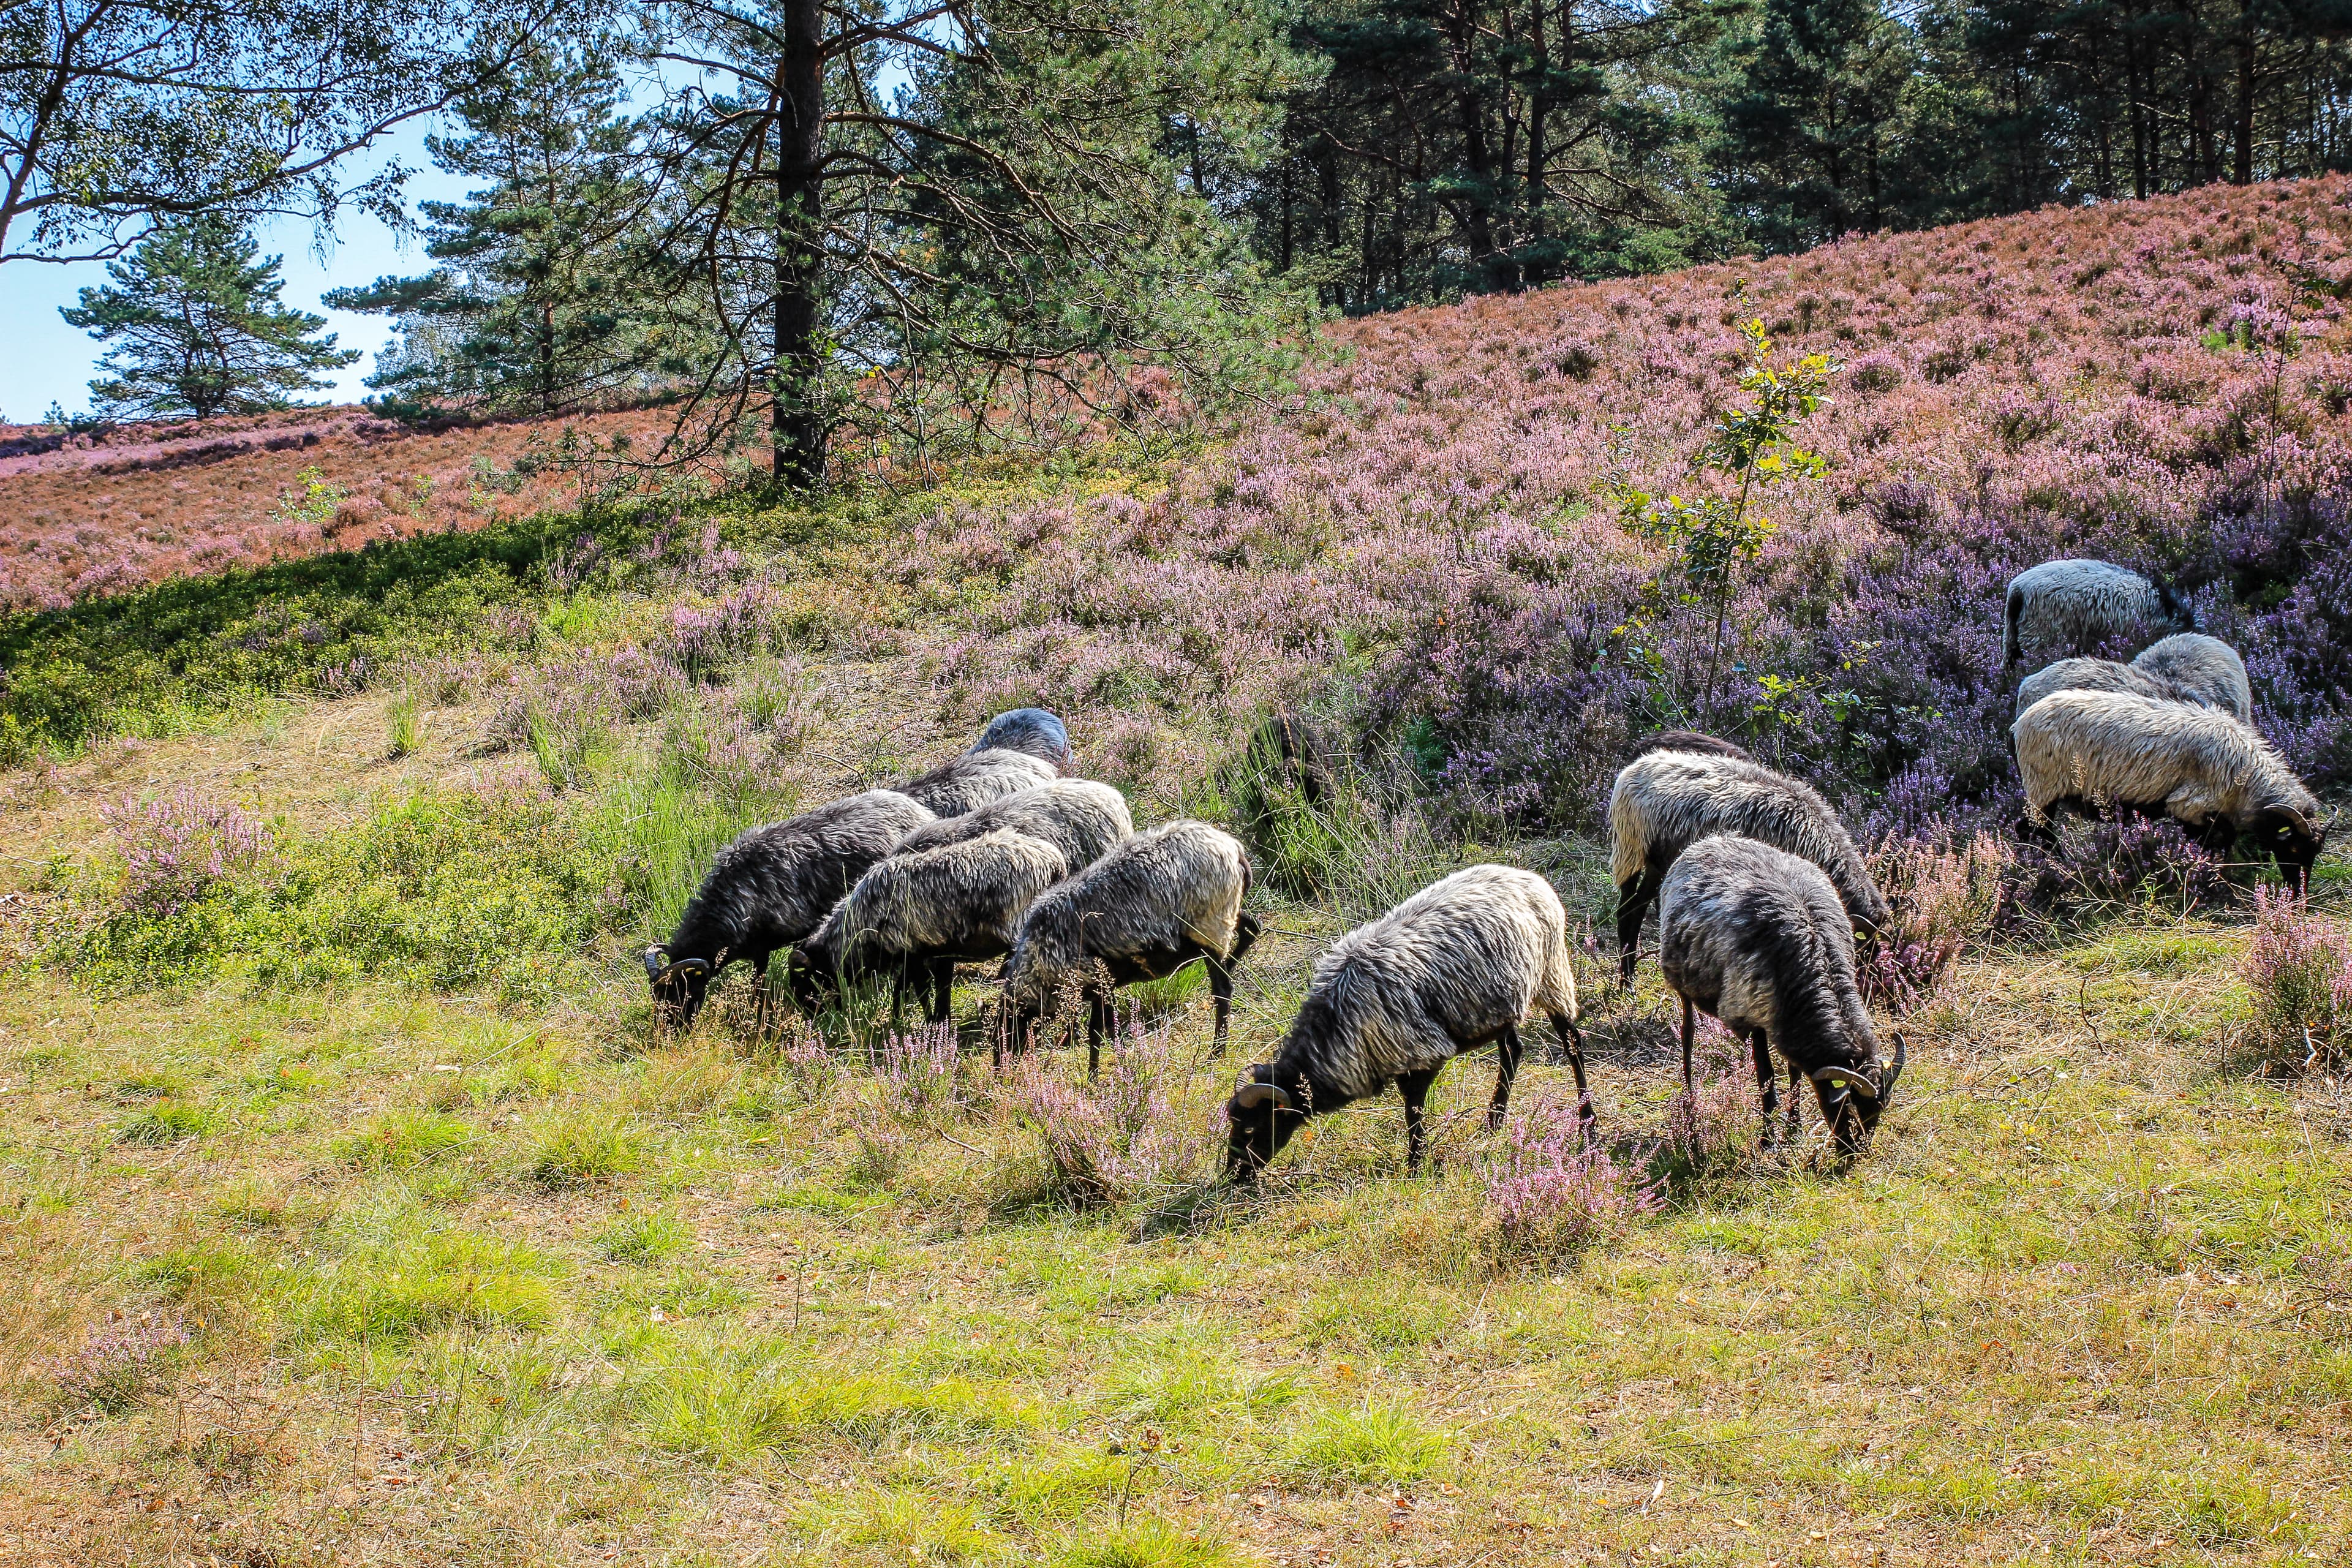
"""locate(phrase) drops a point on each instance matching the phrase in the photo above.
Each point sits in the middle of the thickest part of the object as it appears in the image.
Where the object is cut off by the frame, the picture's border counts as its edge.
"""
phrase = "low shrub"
(1940, 897)
(577, 1150)
(1114, 1140)
(2300, 973)
(179, 847)
(1547, 1196)
(120, 1365)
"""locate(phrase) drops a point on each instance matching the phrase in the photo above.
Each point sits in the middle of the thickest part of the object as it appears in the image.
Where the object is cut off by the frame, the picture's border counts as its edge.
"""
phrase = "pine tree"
(197, 328)
(539, 304)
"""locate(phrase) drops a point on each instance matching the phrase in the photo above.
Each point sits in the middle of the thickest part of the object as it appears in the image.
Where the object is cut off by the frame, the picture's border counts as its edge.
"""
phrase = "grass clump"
(644, 1239)
(581, 1148)
(166, 1122)
(1379, 1442)
(402, 1141)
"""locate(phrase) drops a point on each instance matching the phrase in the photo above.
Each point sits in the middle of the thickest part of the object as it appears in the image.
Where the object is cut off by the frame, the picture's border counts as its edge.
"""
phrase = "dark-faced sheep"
(1031, 730)
(972, 780)
(2064, 607)
(1760, 939)
(2200, 669)
(2112, 751)
(1078, 817)
(1462, 962)
(770, 887)
(1154, 904)
(1667, 801)
(914, 917)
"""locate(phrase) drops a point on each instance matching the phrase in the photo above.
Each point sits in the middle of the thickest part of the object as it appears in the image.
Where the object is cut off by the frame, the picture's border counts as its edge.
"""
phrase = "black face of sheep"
(1262, 1115)
(679, 985)
(2294, 840)
(1852, 1102)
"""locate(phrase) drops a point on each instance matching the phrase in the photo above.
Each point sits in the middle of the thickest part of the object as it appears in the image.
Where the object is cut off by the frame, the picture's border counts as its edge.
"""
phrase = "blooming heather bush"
(118, 1366)
(2129, 861)
(1939, 897)
(1547, 1196)
(179, 847)
(915, 1073)
(1114, 1140)
(2300, 973)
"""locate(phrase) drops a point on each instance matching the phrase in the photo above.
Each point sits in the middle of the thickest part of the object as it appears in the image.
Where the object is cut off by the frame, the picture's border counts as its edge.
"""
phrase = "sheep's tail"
(2011, 651)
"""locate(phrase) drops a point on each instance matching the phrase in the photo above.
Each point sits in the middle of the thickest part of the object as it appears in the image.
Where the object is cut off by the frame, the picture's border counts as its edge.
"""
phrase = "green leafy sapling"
(1715, 537)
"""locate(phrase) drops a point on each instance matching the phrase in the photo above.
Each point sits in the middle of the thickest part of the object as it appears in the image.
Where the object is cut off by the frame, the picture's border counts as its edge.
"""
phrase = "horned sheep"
(1460, 964)
(2097, 751)
(769, 888)
(1760, 939)
(1666, 801)
(1151, 905)
(915, 916)
(2072, 606)
(1081, 818)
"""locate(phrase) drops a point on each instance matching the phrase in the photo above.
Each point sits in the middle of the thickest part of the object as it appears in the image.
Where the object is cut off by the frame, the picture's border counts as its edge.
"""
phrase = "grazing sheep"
(1690, 740)
(1031, 730)
(1078, 817)
(2072, 606)
(1459, 964)
(914, 917)
(1151, 905)
(2089, 675)
(1666, 801)
(2187, 666)
(970, 782)
(1760, 939)
(2200, 669)
(770, 887)
(2098, 750)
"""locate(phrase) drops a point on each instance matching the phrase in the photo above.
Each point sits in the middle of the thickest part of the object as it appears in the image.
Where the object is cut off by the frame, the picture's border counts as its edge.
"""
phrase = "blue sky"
(48, 360)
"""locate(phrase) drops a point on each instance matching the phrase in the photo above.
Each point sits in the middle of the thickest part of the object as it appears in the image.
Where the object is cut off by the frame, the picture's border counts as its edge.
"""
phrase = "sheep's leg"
(1634, 896)
(1097, 1021)
(1415, 1087)
(1767, 1081)
(1221, 996)
(1572, 1046)
(1690, 1026)
(1795, 1100)
(1507, 1070)
(942, 989)
(760, 997)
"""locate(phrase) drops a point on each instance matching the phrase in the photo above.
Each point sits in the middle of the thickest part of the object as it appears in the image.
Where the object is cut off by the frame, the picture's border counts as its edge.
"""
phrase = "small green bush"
(578, 1149)
(642, 1239)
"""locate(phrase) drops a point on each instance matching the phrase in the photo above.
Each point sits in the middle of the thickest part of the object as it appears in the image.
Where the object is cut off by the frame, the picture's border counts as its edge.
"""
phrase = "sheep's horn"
(1847, 1078)
(1250, 1096)
(683, 966)
(655, 958)
(1893, 1069)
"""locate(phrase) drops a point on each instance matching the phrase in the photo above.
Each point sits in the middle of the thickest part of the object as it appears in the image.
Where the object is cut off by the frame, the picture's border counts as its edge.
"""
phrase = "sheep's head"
(1262, 1115)
(1031, 730)
(679, 985)
(2293, 838)
(809, 976)
(1854, 1097)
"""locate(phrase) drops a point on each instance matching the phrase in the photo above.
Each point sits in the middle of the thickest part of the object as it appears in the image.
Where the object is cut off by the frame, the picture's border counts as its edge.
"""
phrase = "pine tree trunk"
(2243, 173)
(799, 428)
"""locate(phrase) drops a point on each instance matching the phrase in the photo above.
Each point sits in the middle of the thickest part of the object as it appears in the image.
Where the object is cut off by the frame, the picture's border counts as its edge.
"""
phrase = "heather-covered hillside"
(2162, 383)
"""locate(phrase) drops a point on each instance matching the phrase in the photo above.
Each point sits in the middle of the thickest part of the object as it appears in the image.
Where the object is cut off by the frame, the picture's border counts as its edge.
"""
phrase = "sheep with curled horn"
(2064, 607)
(1758, 938)
(2191, 667)
(1461, 963)
(1031, 730)
(2100, 751)
(1665, 801)
(770, 888)
(1152, 904)
(915, 915)
(969, 782)
(1081, 818)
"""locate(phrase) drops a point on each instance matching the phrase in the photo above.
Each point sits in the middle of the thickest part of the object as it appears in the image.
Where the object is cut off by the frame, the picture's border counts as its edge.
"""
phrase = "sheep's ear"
(1250, 1096)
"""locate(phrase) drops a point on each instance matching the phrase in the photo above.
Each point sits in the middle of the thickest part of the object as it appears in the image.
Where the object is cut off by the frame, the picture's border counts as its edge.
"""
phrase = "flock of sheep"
(1760, 891)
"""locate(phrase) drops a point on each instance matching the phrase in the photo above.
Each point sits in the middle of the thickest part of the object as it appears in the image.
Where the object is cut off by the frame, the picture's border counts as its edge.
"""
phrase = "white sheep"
(2064, 607)
(2102, 751)
(1460, 964)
